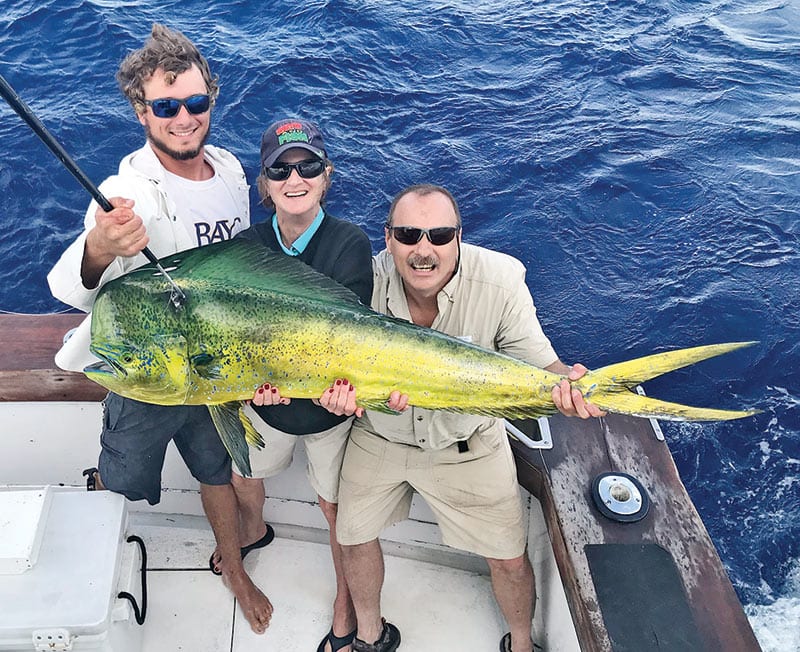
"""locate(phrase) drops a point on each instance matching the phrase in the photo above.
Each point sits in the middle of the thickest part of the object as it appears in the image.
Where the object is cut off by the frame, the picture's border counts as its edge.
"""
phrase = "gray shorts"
(134, 443)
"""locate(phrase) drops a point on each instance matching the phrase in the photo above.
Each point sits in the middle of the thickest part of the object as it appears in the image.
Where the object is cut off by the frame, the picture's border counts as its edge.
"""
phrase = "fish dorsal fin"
(245, 263)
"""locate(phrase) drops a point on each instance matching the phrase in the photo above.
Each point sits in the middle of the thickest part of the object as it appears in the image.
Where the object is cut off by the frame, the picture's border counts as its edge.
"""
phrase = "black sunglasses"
(168, 107)
(306, 169)
(409, 235)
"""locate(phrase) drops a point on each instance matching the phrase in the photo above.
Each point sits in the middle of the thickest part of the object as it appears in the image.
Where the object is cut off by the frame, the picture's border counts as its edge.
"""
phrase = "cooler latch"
(45, 640)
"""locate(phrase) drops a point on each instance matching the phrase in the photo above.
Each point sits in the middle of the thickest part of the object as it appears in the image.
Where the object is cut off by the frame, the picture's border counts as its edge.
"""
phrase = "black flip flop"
(269, 535)
(337, 642)
(505, 643)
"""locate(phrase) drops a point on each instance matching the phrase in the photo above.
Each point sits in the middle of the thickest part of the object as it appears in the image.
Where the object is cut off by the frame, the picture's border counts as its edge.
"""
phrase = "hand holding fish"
(340, 399)
(569, 400)
(269, 395)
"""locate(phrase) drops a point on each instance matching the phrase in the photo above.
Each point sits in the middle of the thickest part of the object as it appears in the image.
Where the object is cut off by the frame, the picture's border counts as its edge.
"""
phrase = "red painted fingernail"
(274, 390)
(338, 382)
(351, 388)
(344, 382)
(260, 390)
(330, 391)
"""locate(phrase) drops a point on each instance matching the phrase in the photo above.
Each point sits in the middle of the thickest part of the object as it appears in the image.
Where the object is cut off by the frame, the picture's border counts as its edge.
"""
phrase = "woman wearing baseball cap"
(295, 177)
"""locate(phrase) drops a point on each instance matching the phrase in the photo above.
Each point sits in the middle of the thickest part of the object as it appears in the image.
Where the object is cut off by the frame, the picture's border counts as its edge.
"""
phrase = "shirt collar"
(299, 245)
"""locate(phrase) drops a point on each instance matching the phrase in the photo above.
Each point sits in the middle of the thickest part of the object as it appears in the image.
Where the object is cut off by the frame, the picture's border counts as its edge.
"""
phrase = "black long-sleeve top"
(342, 251)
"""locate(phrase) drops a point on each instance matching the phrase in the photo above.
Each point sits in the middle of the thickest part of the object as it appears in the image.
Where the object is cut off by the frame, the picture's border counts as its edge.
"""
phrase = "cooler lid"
(73, 584)
(23, 516)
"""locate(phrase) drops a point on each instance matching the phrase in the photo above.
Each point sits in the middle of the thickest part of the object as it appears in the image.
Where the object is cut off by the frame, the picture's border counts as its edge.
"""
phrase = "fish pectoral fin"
(206, 366)
(232, 433)
(251, 435)
(377, 406)
(631, 403)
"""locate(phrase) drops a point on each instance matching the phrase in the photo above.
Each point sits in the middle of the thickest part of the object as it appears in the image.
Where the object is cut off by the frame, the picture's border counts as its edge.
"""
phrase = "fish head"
(137, 335)
(155, 373)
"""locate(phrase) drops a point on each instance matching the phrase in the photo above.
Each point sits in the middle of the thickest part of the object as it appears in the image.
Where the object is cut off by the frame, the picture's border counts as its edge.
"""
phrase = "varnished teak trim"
(28, 372)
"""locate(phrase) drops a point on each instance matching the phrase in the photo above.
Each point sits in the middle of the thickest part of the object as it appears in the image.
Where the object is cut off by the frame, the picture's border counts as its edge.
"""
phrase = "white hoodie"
(140, 178)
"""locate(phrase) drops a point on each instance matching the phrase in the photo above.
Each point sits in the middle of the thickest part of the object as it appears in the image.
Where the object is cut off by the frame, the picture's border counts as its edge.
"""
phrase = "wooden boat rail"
(28, 373)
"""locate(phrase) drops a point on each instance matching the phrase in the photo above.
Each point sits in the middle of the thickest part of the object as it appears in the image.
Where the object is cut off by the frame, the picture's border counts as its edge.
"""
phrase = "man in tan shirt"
(462, 465)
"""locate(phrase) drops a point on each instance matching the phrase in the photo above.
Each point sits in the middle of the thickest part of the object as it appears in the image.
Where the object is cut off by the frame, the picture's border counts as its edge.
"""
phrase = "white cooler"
(66, 596)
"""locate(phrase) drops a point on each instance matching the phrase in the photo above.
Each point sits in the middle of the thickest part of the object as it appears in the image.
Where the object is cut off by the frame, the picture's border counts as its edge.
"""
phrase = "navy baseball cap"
(287, 134)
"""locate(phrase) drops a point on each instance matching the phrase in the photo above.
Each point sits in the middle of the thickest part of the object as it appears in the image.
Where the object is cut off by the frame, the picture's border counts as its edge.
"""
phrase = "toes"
(259, 616)
(214, 561)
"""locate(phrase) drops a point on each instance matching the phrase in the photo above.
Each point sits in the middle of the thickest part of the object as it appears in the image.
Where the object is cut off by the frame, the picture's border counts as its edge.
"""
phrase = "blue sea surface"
(641, 159)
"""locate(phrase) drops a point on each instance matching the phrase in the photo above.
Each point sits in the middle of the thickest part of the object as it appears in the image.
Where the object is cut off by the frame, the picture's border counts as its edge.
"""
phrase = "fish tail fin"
(608, 387)
(633, 372)
(627, 402)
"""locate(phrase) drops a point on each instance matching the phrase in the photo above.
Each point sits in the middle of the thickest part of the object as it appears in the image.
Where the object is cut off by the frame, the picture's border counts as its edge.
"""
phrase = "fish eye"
(127, 358)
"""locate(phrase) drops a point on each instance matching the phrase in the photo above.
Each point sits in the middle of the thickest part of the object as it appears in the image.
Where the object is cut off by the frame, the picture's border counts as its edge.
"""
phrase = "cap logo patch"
(291, 132)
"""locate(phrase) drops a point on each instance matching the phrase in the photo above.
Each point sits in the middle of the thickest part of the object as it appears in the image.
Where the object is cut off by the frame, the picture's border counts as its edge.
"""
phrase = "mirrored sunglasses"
(168, 107)
(306, 169)
(409, 235)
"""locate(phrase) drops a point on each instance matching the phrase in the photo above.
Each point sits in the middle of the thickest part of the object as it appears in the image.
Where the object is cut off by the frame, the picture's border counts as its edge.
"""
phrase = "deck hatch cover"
(641, 598)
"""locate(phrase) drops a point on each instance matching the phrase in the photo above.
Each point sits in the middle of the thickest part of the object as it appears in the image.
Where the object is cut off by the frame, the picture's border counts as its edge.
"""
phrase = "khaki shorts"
(474, 495)
(324, 450)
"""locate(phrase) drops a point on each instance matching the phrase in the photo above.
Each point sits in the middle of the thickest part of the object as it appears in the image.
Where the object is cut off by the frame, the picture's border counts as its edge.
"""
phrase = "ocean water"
(641, 158)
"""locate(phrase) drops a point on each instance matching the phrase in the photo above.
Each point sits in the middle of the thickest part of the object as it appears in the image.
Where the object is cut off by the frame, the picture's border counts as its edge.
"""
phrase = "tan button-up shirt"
(486, 303)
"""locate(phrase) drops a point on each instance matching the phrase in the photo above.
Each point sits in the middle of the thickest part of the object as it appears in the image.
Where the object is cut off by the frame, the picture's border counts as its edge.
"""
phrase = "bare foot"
(255, 606)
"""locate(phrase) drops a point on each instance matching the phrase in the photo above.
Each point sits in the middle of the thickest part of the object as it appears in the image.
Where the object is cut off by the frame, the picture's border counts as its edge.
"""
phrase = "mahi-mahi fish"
(254, 316)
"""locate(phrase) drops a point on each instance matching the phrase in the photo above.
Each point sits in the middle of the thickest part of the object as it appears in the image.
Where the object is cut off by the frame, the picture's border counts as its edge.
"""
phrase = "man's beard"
(185, 155)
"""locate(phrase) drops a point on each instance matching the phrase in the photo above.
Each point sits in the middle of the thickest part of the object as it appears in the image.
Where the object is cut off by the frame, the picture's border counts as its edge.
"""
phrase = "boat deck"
(436, 607)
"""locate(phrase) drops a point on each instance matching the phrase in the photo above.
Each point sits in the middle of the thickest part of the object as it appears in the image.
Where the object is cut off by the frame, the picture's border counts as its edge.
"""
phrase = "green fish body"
(254, 316)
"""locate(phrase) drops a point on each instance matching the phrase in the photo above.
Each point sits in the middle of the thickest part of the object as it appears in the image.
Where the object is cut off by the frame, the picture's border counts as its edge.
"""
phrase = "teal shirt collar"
(299, 245)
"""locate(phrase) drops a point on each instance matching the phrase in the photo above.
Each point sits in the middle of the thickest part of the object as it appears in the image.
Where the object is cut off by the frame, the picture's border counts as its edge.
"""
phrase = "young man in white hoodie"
(174, 193)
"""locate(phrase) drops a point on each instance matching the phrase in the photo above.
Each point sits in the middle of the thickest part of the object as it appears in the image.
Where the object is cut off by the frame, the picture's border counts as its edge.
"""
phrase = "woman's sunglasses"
(306, 169)
(409, 235)
(168, 107)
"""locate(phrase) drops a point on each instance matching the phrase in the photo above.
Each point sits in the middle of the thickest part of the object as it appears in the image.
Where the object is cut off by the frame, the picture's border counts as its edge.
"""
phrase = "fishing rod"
(177, 297)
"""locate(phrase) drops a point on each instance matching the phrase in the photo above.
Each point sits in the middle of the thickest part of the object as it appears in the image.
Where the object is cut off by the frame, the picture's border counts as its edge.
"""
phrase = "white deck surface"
(437, 608)
(440, 598)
